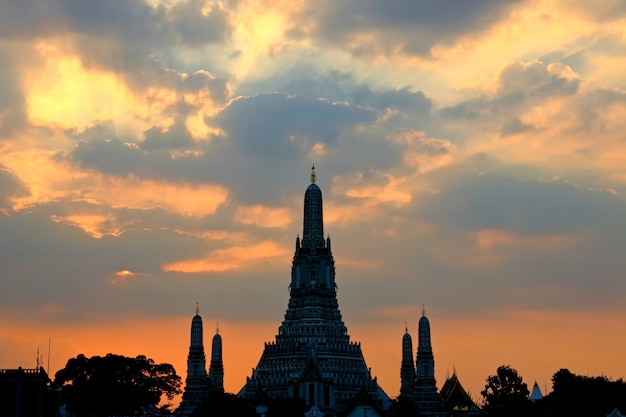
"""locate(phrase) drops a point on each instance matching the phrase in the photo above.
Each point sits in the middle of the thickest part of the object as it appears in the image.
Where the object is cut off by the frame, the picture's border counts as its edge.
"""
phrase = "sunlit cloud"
(231, 258)
(124, 275)
(94, 225)
(78, 97)
(263, 216)
(48, 180)
(390, 191)
(498, 246)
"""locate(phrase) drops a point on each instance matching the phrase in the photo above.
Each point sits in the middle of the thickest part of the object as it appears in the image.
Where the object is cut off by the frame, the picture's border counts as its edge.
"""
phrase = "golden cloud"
(95, 225)
(48, 180)
(231, 258)
(263, 216)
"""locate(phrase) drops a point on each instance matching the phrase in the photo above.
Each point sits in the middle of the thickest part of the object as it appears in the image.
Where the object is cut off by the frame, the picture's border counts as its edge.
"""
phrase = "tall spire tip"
(313, 176)
(197, 309)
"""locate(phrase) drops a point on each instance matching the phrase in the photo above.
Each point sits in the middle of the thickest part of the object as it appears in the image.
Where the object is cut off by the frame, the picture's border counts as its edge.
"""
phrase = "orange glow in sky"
(154, 154)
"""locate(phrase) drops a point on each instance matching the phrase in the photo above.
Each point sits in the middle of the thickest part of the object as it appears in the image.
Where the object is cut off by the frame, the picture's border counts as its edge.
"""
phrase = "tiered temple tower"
(425, 395)
(196, 384)
(407, 369)
(216, 369)
(313, 357)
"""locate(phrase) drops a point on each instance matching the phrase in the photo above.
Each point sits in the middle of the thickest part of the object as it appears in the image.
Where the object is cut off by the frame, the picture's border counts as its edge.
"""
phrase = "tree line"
(115, 385)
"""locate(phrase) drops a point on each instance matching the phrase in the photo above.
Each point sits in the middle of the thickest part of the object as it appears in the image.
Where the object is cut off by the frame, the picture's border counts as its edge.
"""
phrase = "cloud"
(231, 258)
(411, 28)
(10, 187)
(188, 22)
(12, 102)
(525, 81)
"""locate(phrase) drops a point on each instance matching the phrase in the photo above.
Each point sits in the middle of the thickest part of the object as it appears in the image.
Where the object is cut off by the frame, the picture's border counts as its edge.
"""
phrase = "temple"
(312, 357)
(456, 400)
(198, 383)
(216, 369)
(418, 383)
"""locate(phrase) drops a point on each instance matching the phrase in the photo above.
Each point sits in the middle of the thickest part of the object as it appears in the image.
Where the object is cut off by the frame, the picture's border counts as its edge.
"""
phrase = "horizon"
(154, 154)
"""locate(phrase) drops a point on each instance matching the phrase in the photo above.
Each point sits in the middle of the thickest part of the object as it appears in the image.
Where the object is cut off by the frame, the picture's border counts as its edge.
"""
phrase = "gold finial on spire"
(217, 329)
(197, 309)
(423, 311)
(406, 327)
(313, 176)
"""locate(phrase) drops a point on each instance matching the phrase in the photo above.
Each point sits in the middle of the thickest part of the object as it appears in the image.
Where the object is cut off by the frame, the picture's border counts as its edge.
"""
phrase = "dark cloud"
(82, 283)
(566, 250)
(522, 85)
(337, 86)
(594, 108)
(411, 27)
(10, 187)
(12, 102)
(602, 10)
(110, 156)
(514, 127)
(258, 124)
(467, 109)
(521, 82)
(130, 38)
(176, 136)
(525, 208)
(264, 137)
(131, 21)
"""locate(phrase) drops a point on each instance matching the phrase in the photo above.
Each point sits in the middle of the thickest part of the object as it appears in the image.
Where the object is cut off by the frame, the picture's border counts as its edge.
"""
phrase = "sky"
(472, 159)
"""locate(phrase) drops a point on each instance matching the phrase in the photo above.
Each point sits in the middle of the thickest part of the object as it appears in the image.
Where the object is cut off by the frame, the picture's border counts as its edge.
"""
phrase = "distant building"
(456, 400)
(407, 368)
(313, 357)
(535, 393)
(417, 378)
(198, 383)
(216, 369)
(26, 393)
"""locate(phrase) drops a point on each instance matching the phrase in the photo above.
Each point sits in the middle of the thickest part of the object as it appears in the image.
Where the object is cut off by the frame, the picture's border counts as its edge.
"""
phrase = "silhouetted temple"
(313, 357)
(456, 400)
(198, 383)
(216, 369)
(418, 384)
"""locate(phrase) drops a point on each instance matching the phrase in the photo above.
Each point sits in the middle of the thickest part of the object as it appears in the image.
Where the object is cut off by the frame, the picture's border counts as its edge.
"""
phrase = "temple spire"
(407, 368)
(196, 389)
(426, 396)
(216, 369)
(313, 227)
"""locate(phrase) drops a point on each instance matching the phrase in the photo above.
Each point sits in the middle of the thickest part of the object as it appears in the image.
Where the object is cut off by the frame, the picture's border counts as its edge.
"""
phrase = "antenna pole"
(49, 343)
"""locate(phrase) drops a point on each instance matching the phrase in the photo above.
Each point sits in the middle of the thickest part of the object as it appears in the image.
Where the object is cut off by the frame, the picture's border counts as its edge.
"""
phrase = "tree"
(583, 396)
(505, 394)
(221, 404)
(404, 407)
(115, 385)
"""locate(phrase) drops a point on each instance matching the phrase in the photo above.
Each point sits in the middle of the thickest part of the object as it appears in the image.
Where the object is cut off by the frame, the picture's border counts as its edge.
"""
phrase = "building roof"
(455, 397)
(536, 393)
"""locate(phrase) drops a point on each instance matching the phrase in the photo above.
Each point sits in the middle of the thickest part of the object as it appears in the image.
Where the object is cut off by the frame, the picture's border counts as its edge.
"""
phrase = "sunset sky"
(471, 154)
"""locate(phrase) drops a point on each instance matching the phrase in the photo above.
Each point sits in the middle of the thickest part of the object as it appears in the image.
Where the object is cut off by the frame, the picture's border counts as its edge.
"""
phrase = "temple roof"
(536, 393)
(455, 397)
